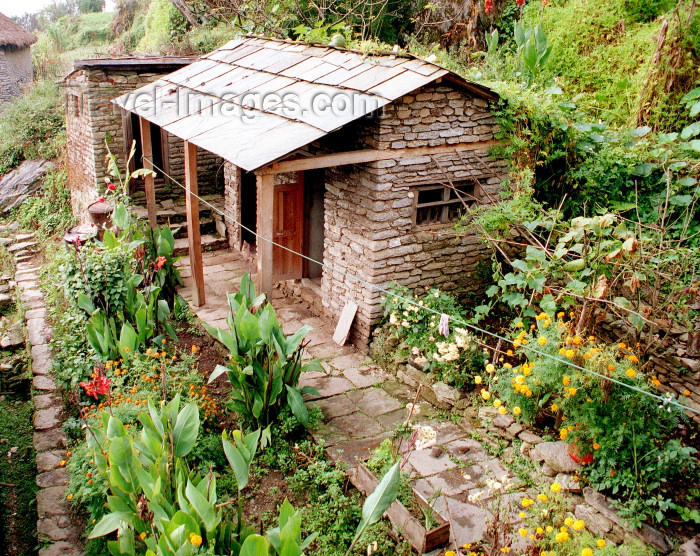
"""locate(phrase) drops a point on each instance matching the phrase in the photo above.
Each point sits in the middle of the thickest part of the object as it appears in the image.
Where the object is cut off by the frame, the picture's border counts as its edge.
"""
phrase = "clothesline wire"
(665, 400)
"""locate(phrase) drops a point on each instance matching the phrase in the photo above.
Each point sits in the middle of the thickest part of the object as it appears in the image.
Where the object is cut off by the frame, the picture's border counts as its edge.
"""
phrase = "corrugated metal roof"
(255, 100)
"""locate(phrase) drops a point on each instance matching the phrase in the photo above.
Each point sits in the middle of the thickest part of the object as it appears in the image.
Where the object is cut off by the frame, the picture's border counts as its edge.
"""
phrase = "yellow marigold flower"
(555, 407)
(539, 530)
(62, 462)
(497, 403)
(505, 550)
(143, 535)
(523, 532)
(502, 410)
(196, 540)
(633, 358)
(631, 373)
(485, 394)
(526, 502)
(611, 367)
(522, 515)
(477, 380)
(572, 391)
(69, 497)
(194, 349)
(519, 324)
(555, 487)
(601, 543)
(566, 380)
(542, 340)
(563, 433)
(561, 314)
(517, 410)
(577, 341)
(579, 525)
(562, 351)
(549, 529)
(450, 553)
(527, 371)
(542, 497)
(622, 345)
(586, 552)
(686, 392)
(490, 368)
(562, 537)
(507, 366)
(656, 382)
(568, 521)
(569, 353)
(596, 446)
(509, 353)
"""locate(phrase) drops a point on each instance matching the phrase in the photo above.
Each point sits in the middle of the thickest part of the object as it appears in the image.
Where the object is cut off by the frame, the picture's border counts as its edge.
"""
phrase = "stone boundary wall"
(56, 530)
(369, 209)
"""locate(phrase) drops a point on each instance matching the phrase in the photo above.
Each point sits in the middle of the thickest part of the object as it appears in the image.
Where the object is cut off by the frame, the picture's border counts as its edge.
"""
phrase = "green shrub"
(48, 212)
(31, 127)
(619, 432)
(648, 10)
(265, 365)
(453, 358)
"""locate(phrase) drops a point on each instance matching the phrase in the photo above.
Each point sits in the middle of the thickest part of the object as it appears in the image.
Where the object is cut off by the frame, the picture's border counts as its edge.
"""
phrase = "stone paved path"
(54, 524)
(362, 405)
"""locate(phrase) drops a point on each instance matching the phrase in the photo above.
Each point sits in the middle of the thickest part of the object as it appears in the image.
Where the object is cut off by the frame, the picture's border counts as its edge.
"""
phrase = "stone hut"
(16, 72)
(356, 166)
(94, 124)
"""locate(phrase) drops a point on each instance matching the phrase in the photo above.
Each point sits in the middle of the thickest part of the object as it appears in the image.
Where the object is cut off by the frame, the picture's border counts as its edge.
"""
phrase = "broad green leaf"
(186, 430)
(254, 545)
(205, 510)
(237, 462)
(383, 496)
(296, 403)
(111, 522)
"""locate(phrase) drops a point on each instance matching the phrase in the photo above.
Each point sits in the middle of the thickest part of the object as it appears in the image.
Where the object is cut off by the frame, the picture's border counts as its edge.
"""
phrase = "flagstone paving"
(362, 405)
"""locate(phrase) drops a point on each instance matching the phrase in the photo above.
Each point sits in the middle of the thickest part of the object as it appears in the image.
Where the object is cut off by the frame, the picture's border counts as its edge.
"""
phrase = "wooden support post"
(192, 208)
(266, 201)
(147, 150)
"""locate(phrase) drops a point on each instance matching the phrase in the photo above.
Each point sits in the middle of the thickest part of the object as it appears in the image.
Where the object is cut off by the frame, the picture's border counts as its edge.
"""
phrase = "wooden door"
(288, 229)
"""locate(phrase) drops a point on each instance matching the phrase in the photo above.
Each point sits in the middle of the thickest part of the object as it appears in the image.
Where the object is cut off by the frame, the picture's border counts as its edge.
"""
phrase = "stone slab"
(38, 332)
(41, 359)
(335, 406)
(357, 425)
(49, 460)
(55, 528)
(45, 383)
(425, 464)
(42, 401)
(49, 440)
(52, 501)
(327, 386)
(374, 401)
(364, 376)
(61, 548)
(53, 478)
(556, 455)
(50, 418)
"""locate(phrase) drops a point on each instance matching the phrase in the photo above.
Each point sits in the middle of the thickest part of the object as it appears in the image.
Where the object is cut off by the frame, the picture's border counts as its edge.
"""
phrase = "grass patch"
(18, 517)
(32, 126)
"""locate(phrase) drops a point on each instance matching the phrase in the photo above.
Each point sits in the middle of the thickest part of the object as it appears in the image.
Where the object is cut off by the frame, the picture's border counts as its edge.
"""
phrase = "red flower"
(98, 386)
(545, 2)
(520, 2)
(77, 242)
(101, 200)
(488, 6)
(160, 262)
(111, 187)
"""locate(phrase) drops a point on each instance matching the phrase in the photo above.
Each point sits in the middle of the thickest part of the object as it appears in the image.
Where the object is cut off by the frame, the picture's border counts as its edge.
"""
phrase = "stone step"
(206, 226)
(210, 242)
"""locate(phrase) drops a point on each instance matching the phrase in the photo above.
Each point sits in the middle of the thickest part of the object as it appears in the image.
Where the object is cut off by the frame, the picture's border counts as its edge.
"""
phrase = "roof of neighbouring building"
(135, 62)
(12, 34)
(203, 102)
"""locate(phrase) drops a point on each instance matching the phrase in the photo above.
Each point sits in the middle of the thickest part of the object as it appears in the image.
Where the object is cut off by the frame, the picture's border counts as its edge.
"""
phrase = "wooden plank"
(193, 235)
(371, 155)
(342, 330)
(265, 223)
(147, 150)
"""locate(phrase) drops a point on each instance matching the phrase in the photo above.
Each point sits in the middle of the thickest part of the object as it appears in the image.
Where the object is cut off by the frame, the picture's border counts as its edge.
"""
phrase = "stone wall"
(369, 222)
(232, 202)
(91, 117)
(16, 72)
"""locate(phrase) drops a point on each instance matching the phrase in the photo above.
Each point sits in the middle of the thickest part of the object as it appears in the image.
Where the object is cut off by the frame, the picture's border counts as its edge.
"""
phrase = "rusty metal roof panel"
(255, 100)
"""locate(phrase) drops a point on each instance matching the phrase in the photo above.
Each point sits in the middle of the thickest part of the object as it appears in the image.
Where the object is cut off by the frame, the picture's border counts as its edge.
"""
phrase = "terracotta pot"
(101, 216)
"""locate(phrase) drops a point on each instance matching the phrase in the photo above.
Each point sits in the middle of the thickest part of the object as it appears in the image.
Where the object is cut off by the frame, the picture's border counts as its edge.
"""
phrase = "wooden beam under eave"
(147, 151)
(266, 200)
(370, 155)
(193, 235)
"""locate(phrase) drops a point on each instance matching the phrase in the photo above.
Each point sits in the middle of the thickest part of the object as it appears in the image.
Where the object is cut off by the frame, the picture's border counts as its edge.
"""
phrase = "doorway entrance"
(288, 229)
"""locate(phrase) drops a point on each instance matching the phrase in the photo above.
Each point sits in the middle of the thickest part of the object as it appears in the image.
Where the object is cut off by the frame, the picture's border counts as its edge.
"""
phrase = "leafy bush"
(49, 212)
(648, 10)
(31, 127)
(265, 365)
(615, 428)
(453, 357)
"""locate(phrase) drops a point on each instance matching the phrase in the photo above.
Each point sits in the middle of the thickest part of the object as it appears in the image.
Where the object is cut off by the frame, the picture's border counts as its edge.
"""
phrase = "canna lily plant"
(265, 365)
